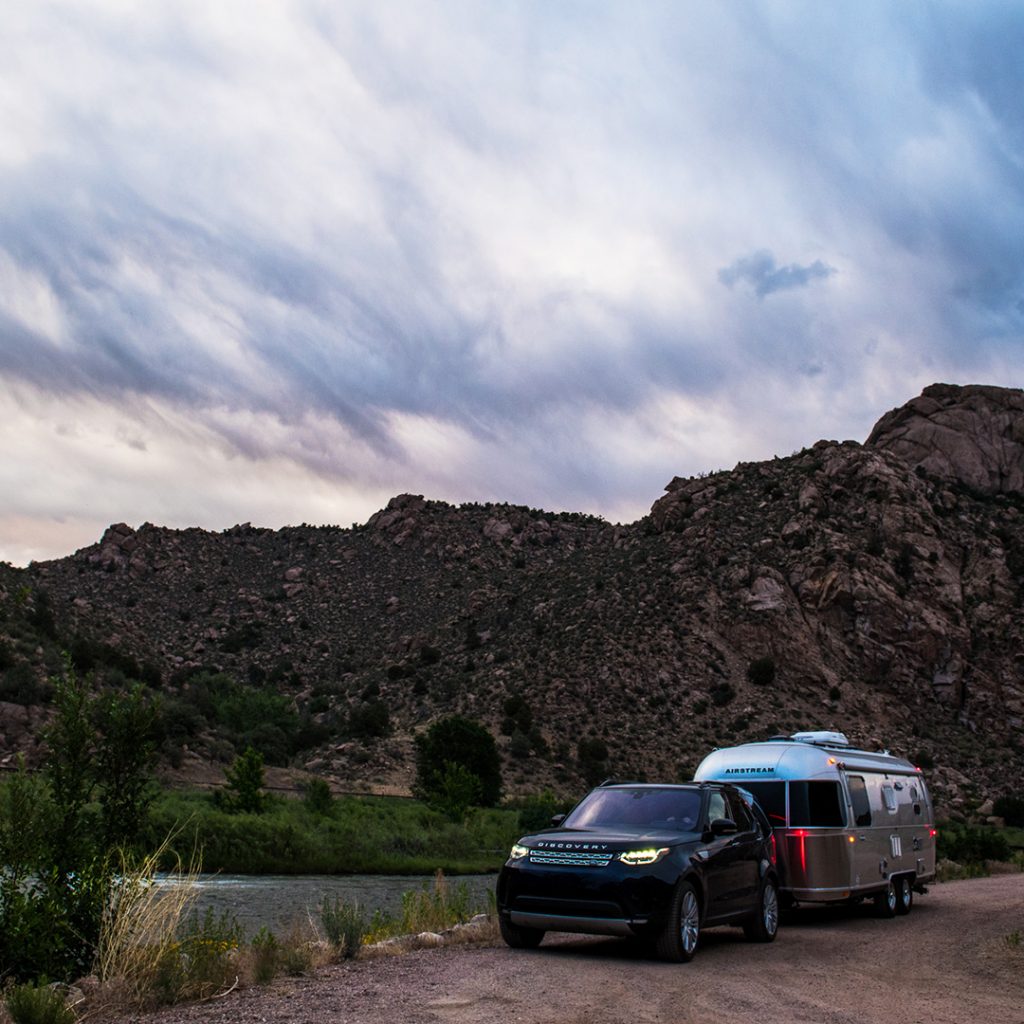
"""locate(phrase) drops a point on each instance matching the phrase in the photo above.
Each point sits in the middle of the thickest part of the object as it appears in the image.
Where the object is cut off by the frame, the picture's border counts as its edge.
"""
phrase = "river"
(280, 901)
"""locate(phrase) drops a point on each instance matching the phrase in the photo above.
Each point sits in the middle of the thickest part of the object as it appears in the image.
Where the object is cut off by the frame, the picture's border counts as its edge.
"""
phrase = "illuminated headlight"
(635, 858)
(518, 852)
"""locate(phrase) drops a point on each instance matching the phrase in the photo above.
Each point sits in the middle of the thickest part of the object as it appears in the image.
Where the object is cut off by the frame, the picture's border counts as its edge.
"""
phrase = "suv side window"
(716, 806)
(740, 814)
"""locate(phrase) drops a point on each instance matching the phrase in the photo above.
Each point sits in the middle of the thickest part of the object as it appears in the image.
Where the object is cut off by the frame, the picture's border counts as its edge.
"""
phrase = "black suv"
(656, 861)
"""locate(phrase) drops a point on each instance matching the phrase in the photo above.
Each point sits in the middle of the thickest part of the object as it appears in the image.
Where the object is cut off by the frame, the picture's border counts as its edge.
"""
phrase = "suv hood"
(611, 839)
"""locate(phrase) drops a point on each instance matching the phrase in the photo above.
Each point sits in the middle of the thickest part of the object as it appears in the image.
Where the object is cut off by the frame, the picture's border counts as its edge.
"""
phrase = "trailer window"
(815, 804)
(772, 798)
(859, 799)
(890, 798)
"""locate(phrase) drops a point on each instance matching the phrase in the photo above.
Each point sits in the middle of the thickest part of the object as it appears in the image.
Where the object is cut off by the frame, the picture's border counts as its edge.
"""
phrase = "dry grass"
(139, 933)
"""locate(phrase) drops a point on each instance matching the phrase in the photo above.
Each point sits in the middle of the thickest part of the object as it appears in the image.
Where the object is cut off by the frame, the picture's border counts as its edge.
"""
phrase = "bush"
(761, 671)
(518, 716)
(344, 925)
(451, 744)
(968, 844)
(56, 849)
(1010, 809)
(245, 783)
(370, 720)
(38, 1004)
(318, 797)
(432, 910)
(266, 952)
(536, 810)
(722, 694)
(202, 962)
(19, 684)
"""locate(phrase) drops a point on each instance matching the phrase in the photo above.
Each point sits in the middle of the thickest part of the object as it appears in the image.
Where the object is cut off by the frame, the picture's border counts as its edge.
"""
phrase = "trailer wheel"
(904, 895)
(763, 926)
(680, 934)
(886, 901)
(518, 937)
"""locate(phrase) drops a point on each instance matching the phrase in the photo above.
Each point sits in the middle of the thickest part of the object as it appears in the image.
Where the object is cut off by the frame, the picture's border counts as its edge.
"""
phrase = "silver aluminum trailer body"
(848, 823)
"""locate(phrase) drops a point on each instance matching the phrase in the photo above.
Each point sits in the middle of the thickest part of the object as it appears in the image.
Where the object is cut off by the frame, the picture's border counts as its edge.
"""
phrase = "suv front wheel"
(681, 931)
(518, 937)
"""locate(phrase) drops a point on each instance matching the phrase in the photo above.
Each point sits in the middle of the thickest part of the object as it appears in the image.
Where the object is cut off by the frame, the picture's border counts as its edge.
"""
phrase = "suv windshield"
(647, 807)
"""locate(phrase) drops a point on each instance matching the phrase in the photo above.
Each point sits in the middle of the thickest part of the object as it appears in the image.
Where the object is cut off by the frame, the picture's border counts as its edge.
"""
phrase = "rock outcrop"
(971, 435)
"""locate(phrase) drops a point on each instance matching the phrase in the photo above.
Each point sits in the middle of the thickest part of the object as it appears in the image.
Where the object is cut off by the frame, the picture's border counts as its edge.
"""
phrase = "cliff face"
(874, 589)
(973, 436)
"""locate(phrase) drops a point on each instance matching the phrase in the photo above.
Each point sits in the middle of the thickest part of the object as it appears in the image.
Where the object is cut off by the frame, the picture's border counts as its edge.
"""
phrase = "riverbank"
(353, 835)
(816, 970)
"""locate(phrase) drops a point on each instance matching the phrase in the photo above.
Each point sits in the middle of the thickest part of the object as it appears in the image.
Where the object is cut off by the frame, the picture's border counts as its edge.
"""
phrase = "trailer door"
(864, 861)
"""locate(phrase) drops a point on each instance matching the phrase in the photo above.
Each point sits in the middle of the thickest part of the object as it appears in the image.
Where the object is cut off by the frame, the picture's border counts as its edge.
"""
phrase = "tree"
(70, 769)
(318, 797)
(457, 789)
(57, 871)
(245, 780)
(126, 724)
(451, 743)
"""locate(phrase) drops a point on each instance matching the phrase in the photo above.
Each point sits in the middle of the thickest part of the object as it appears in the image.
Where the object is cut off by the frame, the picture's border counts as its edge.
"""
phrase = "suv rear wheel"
(681, 931)
(763, 926)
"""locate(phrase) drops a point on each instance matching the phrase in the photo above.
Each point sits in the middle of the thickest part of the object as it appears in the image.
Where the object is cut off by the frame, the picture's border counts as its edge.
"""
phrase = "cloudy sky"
(278, 261)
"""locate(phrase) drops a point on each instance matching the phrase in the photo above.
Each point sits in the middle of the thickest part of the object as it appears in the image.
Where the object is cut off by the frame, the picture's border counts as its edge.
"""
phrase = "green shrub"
(206, 954)
(457, 741)
(244, 789)
(761, 671)
(56, 868)
(968, 844)
(722, 694)
(518, 716)
(1010, 809)
(344, 925)
(266, 954)
(38, 1004)
(592, 758)
(536, 810)
(317, 797)
(436, 908)
(369, 720)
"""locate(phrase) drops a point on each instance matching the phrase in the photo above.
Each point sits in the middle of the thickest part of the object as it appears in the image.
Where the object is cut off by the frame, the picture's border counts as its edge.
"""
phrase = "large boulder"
(971, 435)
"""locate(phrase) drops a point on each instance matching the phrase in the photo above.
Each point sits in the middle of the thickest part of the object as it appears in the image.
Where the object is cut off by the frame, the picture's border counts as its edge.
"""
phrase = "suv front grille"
(571, 858)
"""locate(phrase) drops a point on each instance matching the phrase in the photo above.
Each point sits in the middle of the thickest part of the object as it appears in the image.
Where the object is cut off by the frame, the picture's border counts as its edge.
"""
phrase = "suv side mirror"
(557, 819)
(724, 827)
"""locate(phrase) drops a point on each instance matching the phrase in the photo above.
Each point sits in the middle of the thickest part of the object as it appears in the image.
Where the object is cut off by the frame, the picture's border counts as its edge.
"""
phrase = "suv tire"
(519, 937)
(763, 926)
(677, 941)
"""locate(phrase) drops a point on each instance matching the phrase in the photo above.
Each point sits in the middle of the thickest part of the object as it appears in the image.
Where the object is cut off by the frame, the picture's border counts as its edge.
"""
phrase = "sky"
(275, 262)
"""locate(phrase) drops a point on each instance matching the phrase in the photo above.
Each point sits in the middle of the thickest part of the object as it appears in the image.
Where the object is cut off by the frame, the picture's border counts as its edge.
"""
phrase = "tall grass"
(345, 925)
(436, 908)
(139, 931)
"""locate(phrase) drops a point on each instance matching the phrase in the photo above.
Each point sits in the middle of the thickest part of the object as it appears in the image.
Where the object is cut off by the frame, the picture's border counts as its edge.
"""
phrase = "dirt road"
(949, 962)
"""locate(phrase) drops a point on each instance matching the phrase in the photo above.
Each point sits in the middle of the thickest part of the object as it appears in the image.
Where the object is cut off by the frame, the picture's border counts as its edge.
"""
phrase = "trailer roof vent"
(821, 739)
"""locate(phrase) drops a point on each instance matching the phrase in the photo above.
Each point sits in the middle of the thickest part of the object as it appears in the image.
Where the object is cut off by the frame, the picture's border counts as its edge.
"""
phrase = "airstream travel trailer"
(848, 823)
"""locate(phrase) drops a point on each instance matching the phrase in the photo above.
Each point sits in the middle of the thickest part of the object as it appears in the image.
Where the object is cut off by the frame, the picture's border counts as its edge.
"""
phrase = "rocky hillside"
(875, 588)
